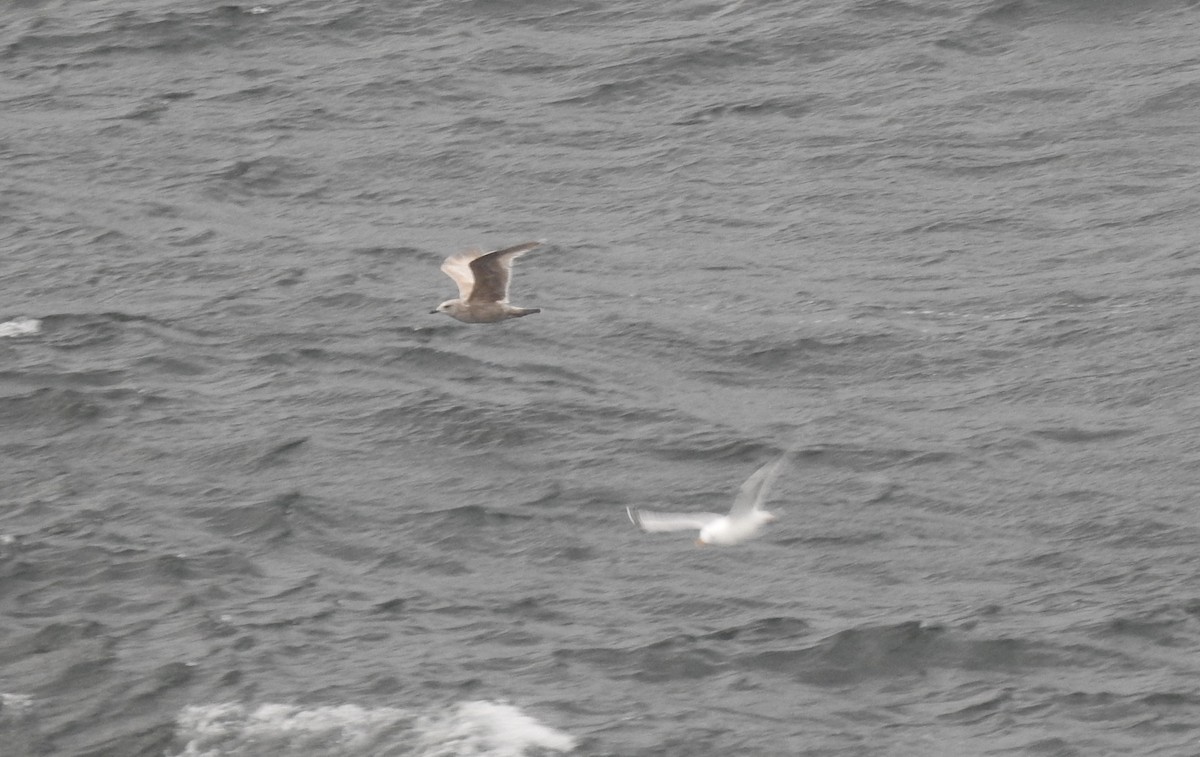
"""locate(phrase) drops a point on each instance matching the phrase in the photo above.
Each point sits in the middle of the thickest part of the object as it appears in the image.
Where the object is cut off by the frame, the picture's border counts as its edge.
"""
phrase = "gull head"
(449, 307)
(713, 533)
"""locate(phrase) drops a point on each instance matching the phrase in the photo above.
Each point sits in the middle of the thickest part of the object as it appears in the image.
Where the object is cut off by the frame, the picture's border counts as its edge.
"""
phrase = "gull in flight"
(744, 520)
(482, 279)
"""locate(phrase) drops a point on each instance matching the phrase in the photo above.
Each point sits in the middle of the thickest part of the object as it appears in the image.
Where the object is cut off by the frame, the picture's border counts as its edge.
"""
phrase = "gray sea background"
(256, 500)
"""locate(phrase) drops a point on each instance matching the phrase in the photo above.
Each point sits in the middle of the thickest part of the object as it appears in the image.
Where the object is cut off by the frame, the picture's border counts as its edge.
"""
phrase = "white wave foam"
(18, 724)
(20, 327)
(233, 730)
(487, 728)
(464, 730)
(15, 703)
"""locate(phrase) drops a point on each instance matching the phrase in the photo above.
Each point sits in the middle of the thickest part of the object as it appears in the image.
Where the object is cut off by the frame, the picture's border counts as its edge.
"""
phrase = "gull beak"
(700, 543)
(433, 312)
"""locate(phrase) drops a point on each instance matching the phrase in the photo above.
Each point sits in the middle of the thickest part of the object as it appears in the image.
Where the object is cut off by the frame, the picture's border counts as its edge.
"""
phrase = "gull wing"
(458, 267)
(754, 492)
(652, 521)
(493, 271)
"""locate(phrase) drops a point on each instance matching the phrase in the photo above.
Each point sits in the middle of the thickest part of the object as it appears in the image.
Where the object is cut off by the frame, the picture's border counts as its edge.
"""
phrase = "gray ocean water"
(256, 500)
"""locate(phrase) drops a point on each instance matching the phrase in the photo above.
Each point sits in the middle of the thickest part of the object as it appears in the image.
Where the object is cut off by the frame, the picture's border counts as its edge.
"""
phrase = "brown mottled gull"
(482, 279)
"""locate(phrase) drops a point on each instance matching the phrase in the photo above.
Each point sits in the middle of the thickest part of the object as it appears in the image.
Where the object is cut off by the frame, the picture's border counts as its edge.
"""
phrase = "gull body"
(744, 520)
(482, 279)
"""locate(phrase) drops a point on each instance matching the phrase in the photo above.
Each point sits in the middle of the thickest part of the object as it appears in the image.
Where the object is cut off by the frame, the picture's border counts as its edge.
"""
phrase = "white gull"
(743, 522)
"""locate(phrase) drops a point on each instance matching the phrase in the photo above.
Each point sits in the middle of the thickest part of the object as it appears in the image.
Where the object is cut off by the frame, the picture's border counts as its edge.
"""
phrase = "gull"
(482, 279)
(744, 520)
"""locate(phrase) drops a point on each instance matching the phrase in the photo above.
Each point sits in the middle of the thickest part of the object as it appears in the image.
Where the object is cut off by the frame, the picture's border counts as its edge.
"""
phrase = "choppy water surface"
(256, 500)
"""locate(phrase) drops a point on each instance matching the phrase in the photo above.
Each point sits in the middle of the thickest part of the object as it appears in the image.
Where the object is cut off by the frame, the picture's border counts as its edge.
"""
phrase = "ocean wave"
(54, 409)
(20, 327)
(132, 32)
(14, 705)
(464, 729)
(486, 728)
(18, 724)
(908, 649)
(780, 646)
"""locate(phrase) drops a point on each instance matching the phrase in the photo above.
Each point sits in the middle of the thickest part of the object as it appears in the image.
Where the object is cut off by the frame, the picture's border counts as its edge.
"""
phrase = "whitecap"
(480, 728)
(462, 730)
(15, 702)
(20, 327)
(234, 730)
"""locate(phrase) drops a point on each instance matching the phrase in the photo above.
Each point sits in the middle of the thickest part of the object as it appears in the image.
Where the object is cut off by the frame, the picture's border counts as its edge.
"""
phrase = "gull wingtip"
(634, 517)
